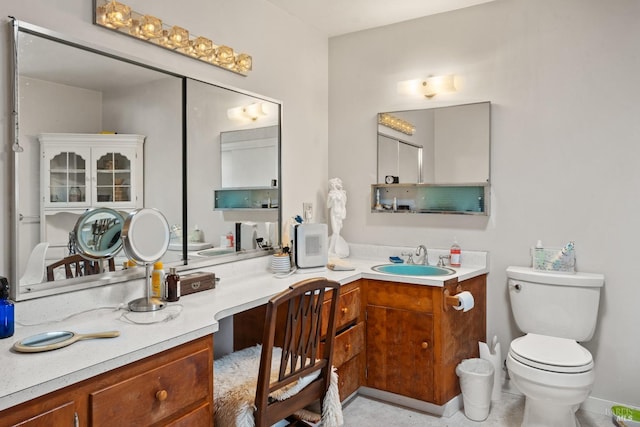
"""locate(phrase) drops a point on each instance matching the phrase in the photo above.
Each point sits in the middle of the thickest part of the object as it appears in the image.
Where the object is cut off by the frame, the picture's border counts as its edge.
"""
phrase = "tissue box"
(554, 259)
(196, 282)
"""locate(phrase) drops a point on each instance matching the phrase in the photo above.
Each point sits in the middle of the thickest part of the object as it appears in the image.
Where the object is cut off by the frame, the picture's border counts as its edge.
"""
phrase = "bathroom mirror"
(66, 87)
(97, 233)
(241, 192)
(249, 157)
(454, 142)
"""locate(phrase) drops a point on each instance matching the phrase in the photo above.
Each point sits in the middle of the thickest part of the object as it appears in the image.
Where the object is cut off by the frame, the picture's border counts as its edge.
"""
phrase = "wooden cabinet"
(349, 344)
(173, 388)
(415, 341)
(400, 351)
(397, 337)
(82, 171)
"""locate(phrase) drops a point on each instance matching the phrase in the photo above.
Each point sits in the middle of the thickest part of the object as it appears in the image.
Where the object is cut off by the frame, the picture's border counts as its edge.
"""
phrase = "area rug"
(235, 377)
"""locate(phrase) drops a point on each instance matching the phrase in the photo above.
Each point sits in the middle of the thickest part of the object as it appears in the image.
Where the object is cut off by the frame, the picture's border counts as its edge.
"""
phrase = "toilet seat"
(551, 354)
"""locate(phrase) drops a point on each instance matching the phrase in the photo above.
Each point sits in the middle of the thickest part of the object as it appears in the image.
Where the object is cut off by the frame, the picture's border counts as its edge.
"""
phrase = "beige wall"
(562, 77)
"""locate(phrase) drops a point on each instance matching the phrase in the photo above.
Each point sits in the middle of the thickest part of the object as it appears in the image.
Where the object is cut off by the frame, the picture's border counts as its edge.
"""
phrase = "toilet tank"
(555, 304)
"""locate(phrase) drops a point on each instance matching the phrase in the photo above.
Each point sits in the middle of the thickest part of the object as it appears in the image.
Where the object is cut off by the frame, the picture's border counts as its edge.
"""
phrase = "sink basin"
(216, 251)
(413, 270)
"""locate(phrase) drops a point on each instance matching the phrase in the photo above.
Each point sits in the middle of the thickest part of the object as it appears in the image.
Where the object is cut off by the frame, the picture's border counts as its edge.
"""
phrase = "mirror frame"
(45, 288)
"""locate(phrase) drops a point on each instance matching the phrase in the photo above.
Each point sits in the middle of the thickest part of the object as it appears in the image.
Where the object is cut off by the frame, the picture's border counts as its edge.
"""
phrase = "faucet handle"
(441, 260)
(409, 256)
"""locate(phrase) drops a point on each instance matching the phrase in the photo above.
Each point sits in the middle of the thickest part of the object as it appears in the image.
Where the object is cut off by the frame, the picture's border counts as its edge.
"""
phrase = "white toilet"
(553, 371)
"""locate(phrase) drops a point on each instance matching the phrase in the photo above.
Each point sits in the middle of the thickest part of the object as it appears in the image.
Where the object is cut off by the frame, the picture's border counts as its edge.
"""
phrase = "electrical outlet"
(307, 211)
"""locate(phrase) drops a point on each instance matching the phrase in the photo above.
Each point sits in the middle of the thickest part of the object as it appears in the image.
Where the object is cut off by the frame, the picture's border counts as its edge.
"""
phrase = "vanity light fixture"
(396, 123)
(429, 87)
(119, 17)
(252, 112)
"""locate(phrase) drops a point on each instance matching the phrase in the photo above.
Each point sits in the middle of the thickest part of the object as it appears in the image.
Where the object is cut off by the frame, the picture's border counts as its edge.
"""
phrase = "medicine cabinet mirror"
(114, 138)
(454, 143)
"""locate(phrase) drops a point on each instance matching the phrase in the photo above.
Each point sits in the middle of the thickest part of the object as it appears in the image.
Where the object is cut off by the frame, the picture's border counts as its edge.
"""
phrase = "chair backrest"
(303, 334)
(34, 271)
(75, 266)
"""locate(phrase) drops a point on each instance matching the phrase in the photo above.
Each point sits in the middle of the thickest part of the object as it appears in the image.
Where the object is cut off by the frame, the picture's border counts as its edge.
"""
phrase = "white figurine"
(337, 201)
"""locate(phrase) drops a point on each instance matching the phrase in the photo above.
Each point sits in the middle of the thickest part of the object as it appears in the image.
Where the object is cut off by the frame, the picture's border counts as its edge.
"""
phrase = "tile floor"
(363, 411)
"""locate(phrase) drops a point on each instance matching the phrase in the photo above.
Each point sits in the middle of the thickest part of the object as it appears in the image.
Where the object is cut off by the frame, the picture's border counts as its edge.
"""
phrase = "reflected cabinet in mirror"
(434, 160)
(95, 129)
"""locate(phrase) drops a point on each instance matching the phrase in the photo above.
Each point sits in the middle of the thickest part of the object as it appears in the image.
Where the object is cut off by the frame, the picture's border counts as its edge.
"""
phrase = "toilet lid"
(551, 354)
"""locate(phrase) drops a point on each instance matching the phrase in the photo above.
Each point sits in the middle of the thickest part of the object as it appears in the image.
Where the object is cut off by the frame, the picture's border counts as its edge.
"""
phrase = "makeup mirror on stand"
(145, 238)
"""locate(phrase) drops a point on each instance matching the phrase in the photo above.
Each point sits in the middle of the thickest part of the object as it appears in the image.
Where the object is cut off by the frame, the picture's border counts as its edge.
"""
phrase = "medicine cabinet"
(437, 162)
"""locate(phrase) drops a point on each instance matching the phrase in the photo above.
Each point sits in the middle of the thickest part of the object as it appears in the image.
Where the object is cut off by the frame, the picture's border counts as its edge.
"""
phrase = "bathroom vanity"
(174, 387)
(397, 338)
(393, 329)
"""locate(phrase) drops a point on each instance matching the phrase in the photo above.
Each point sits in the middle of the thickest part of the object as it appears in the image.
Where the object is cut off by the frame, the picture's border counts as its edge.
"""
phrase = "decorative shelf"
(463, 199)
(254, 198)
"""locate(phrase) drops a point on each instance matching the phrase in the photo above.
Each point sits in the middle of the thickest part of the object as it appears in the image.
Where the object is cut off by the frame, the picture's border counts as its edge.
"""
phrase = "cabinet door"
(114, 176)
(65, 175)
(399, 351)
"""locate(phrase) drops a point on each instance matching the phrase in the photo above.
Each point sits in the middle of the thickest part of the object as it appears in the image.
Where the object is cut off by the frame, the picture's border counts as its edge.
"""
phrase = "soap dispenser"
(6, 310)
(454, 254)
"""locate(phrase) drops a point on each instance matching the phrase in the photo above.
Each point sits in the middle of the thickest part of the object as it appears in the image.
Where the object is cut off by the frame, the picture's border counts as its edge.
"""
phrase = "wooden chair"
(75, 266)
(289, 378)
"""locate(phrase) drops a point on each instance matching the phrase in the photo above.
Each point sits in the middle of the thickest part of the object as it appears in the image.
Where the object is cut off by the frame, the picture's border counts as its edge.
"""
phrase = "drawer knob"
(424, 345)
(344, 310)
(162, 395)
(347, 347)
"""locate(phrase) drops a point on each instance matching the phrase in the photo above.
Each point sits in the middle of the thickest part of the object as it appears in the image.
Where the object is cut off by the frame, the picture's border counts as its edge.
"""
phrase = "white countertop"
(24, 376)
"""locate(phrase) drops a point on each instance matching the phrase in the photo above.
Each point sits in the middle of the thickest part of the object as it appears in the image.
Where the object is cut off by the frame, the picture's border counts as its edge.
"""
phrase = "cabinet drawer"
(62, 415)
(157, 394)
(348, 309)
(348, 344)
(349, 377)
(400, 295)
(199, 417)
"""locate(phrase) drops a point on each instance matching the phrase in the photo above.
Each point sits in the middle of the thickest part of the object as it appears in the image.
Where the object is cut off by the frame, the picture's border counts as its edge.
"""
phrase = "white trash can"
(476, 383)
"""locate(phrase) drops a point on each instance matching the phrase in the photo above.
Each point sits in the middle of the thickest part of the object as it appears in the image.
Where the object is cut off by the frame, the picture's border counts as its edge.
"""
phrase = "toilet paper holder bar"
(451, 300)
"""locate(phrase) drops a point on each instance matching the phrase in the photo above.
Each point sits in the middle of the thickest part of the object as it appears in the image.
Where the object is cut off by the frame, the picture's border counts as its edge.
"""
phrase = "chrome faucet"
(422, 256)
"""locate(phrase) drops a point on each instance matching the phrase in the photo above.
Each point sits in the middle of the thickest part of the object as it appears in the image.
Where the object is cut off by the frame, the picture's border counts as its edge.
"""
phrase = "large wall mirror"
(445, 145)
(95, 129)
(245, 152)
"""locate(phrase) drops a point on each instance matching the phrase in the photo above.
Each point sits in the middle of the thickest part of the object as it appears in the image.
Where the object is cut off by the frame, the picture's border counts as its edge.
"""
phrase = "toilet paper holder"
(451, 300)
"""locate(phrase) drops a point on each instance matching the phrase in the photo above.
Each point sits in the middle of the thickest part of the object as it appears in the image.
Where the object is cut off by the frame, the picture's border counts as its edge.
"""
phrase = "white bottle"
(454, 254)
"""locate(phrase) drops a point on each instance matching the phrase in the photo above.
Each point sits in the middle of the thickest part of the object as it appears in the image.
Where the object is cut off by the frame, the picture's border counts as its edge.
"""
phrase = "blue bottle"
(6, 310)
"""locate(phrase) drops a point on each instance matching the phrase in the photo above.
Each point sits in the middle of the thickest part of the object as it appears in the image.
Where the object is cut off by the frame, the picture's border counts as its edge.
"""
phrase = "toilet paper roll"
(466, 301)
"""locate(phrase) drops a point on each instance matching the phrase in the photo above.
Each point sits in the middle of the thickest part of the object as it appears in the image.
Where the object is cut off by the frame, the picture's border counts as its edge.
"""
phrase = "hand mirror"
(145, 237)
(53, 340)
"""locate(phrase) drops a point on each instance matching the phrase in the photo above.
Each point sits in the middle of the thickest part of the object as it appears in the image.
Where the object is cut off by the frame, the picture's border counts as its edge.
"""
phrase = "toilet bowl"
(555, 375)
(553, 371)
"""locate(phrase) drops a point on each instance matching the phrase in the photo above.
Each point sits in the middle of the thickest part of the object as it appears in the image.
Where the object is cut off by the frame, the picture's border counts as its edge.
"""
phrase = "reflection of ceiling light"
(429, 87)
(252, 112)
(120, 18)
(396, 123)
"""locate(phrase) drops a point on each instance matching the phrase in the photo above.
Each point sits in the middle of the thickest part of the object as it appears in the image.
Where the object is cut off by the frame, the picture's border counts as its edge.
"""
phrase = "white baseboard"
(446, 410)
(602, 406)
(592, 404)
